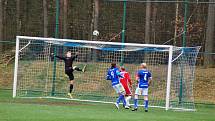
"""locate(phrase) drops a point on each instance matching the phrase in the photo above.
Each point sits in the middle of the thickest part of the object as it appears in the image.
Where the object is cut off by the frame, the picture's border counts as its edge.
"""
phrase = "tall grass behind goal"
(37, 74)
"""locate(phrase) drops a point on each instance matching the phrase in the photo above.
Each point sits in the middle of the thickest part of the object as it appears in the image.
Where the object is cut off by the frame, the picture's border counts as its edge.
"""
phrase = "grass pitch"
(61, 110)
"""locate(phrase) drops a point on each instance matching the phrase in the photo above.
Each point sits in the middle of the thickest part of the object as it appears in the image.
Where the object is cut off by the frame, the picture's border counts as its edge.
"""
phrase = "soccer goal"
(38, 75)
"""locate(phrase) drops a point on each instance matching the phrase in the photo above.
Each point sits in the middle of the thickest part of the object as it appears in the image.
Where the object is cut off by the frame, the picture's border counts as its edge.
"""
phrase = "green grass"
(60, 110)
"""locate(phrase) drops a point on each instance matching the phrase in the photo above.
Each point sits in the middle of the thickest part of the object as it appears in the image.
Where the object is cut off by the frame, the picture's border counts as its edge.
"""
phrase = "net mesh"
(183, 75)
(38, 76)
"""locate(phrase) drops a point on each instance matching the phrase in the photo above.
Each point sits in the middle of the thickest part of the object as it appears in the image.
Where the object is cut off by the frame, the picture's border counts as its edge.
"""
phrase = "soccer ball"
(96, 33)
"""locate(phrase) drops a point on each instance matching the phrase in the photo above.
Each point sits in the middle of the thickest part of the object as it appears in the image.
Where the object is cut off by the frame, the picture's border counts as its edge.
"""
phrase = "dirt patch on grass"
(204, 85)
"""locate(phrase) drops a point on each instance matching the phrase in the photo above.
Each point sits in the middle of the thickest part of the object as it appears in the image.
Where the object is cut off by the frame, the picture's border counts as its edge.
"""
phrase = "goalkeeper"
(144, 78)
(113, 74)
(68, 60)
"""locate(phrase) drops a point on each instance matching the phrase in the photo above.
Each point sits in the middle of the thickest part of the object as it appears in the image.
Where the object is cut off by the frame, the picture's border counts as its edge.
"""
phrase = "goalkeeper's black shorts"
(69, 73)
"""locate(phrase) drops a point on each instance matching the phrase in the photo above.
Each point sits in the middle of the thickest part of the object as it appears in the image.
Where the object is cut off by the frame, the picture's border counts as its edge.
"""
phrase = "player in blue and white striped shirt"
(144, 78)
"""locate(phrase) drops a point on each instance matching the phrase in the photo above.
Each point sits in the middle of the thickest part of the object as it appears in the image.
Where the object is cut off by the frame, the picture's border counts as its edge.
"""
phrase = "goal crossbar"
(94, 42)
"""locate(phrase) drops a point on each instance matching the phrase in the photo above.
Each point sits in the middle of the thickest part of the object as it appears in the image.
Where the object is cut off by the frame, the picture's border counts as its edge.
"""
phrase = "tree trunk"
(95, 17)
(209, 44)
(176, 23)
(61, 17)
(1, 25)
(154, 14)
(45, 19)
(94, 26)
(147, 26)
(65, 6)
(96, 14)
(18, 24)
(90, 37)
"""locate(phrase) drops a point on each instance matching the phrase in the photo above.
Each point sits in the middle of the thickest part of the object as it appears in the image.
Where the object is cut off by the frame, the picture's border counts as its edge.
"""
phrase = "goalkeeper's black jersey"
(68, 61)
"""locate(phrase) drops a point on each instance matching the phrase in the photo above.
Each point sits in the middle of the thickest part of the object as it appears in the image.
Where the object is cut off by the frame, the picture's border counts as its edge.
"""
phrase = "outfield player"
(127, 84)
(144, 78)
(68, 60)
(113, 74)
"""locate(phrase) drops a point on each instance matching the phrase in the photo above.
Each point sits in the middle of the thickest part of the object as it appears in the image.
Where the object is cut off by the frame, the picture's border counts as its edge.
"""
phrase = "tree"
(1, 25)
(154, 16)
(45, 19)
(209, 43)
(18, 23)
(147, 24)
(176, 23)
(65, 18)
(96, 14)
(94, 25)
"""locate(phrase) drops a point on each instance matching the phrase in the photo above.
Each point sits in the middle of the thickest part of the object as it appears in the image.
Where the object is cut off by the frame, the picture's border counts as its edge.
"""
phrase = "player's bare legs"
(71, 82)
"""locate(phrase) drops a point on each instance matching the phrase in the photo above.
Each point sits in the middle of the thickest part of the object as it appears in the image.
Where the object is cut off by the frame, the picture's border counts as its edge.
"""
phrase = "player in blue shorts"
(114, 75)
(144, 78)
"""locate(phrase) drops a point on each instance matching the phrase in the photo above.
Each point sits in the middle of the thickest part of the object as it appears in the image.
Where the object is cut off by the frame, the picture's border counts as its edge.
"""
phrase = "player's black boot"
(135, 109)
(146, 110)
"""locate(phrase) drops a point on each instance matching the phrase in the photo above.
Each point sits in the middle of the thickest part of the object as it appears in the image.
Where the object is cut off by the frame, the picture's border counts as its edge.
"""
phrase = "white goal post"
(36, 74)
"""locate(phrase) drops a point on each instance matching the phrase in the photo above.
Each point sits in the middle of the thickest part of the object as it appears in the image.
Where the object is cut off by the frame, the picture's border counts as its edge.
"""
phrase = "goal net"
(37, 74)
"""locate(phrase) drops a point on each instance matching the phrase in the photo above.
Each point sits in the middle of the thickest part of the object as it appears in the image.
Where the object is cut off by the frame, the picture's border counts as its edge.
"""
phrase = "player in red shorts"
(127, 84)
